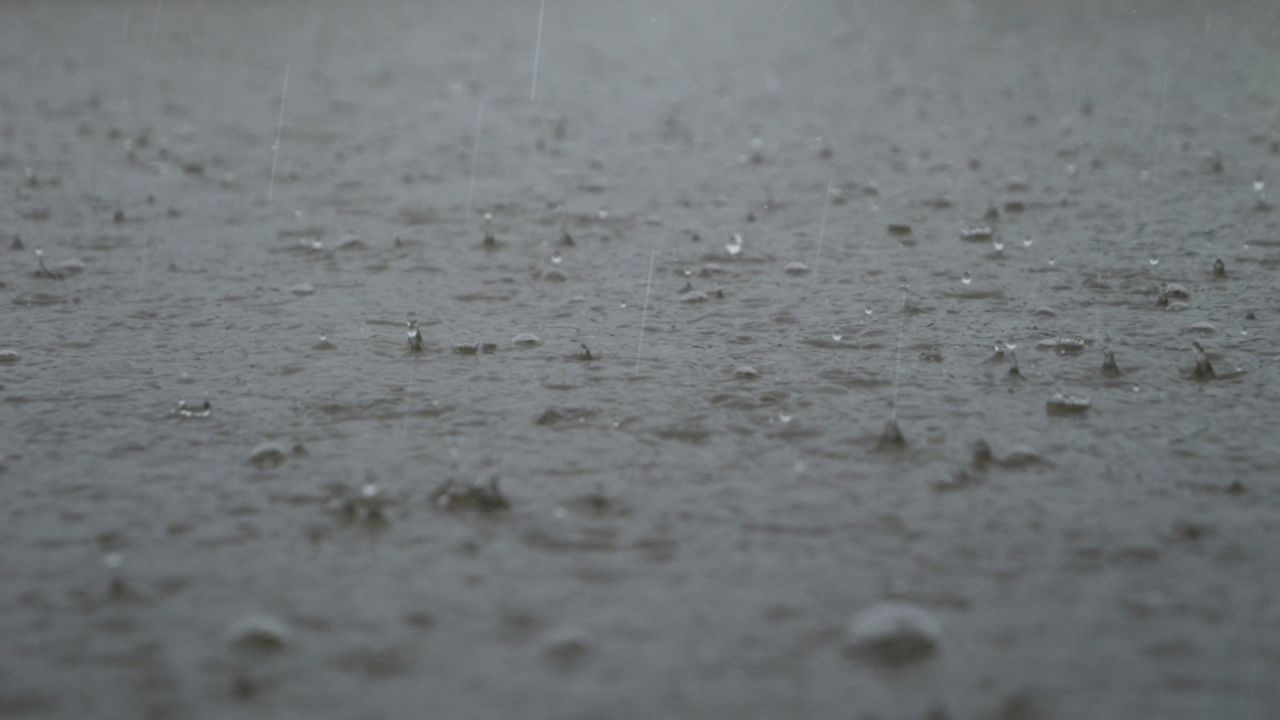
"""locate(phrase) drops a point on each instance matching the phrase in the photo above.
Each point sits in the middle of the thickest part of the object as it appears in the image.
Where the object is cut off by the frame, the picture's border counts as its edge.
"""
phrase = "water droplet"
(966, 278)
(1052, 262)
(1244, 332)
(556, 259)
(1153, 261)
(784, 419)
(868, 312)
(998, 243)
(734, 246)
(1026, 242)
(836, 337)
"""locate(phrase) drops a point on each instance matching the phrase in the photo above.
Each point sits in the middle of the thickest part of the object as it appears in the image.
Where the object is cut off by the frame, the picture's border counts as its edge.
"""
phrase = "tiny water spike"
(982, 455)
(1203, 369)
(1109, 367)
(1219, 268)
(415, 335)
(42, 271)
(490, 242)
(1014, 372)
(116, 586)
(891, 437)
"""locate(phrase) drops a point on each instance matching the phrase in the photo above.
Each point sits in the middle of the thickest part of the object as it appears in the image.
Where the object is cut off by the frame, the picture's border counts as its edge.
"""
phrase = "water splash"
(734, 246)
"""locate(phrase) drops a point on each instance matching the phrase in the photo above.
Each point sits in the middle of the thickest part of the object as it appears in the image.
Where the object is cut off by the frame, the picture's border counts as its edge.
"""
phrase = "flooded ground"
(240, 203)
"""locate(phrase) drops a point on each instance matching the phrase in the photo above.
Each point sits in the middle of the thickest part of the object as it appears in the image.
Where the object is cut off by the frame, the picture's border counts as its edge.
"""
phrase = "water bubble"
(966, 278)
(525, 340)
(734, 246)
(998, 243)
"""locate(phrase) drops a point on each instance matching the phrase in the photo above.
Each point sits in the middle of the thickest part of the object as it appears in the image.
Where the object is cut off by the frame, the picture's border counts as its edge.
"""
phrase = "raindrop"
(998, 243)
(1026, 242)
(836, 337)
(966, 278)
(556, 259)
(1153, 261)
